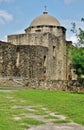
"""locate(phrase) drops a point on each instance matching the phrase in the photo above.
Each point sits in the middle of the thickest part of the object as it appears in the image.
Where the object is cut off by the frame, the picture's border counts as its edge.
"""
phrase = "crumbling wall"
(31, 61)
(7, 59)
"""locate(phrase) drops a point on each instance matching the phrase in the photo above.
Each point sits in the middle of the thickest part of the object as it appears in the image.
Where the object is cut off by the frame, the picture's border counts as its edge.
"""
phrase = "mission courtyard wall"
(22, 61)
(55, 59)
(7, 59)
(31, 61)
(29, 39)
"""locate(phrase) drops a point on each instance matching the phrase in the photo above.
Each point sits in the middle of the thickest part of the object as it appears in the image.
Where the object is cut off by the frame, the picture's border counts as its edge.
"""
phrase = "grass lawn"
(13, 107)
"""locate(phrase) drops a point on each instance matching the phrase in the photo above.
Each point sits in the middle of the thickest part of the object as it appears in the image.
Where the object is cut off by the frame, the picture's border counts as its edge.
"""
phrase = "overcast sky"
(16, 15)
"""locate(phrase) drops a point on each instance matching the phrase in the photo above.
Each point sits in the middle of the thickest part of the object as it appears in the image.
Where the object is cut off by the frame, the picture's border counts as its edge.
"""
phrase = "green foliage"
(77, 55)
(81, 37)
(77, 52)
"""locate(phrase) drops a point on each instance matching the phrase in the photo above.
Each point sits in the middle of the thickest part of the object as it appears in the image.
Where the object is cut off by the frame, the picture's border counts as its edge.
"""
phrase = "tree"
(77, 52)
(77, 56)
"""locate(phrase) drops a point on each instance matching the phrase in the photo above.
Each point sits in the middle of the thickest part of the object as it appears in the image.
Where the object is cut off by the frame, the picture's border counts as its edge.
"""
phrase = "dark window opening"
(38, 30)
(64, 32)
(18, 49)
(38, 26)
(44, 61)
(54, 51)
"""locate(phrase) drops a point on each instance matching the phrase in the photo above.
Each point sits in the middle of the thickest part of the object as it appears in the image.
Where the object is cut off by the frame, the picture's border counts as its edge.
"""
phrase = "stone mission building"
(40, 53)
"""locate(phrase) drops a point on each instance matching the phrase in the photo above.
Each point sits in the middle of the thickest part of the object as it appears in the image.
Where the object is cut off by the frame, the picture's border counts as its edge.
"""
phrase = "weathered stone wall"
(33, 37)
(54, 60)
(46, 84)
(61, 58)
(56, 67)
(61, 85)
(39, 55)
(7, 59)
(31, 61)
(22, 61)
(56, 30)
(76, 85)
(29, 39)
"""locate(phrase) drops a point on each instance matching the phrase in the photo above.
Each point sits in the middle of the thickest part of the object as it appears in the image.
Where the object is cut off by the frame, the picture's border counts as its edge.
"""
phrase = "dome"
(45, 19)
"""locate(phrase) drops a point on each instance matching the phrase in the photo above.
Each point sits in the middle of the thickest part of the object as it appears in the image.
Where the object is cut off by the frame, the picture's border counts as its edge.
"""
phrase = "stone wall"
(7, 59)
(46, 84)
(56, 68)
(31, 61)
(22, 61)
(32, 57)
(56, 30)
(36, 55)
(76, 85)
(57, 85)
(29, 39)
(37, 38)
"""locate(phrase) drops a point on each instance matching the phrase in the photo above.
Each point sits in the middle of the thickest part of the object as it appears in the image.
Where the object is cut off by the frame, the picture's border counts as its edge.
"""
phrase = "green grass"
(66, 103)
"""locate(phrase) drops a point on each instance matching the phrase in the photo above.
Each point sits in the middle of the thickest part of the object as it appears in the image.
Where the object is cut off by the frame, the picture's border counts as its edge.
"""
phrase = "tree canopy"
(77, 52)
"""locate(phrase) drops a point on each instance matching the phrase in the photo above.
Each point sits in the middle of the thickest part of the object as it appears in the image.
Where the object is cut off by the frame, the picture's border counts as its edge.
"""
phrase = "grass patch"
(39, 111)
(51, 117)
(61, 121)
(66, 103)
(30, 121)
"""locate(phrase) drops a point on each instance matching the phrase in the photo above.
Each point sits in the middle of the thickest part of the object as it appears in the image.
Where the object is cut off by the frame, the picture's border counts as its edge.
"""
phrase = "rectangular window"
(54, 48)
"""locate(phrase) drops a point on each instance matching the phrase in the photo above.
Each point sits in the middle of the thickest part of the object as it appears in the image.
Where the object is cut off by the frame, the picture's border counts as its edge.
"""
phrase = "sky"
(16, 15)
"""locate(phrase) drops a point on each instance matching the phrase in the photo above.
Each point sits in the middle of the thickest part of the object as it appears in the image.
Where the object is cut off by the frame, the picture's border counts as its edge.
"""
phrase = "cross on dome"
(45, 8)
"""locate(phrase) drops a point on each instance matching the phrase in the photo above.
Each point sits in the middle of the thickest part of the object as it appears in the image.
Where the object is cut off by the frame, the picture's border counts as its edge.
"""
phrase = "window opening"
(44, 61)
(18, 59)
(54, 51)
(38, 30)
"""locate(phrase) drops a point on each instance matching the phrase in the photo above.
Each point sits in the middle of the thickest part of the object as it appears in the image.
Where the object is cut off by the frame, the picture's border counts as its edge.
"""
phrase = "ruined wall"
(54, 60)
(61, 85)
(35, 37)
(31, 61)
(7, 59)
(29, 39)
(61, 58)
(56, 68)
(22, 61)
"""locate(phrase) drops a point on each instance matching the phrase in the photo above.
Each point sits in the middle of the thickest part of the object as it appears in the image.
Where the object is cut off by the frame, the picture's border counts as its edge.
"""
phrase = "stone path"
(6, 91)
(48, 117)
(48, 122)
(69, 126)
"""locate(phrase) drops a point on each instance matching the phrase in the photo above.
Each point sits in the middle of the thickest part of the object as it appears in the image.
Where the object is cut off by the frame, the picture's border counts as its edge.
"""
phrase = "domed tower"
(46, 23)
(53, 37)
(42, 49)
